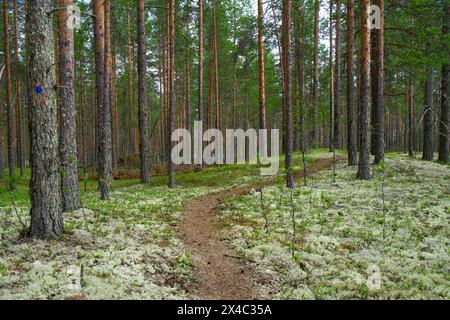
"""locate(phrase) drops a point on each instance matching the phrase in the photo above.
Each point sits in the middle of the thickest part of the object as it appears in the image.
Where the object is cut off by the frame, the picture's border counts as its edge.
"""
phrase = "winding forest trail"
(218, 272)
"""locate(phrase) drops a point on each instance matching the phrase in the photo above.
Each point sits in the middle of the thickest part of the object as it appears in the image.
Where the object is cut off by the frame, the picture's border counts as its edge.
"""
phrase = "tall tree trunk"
(331, 79)
(315, 90)
(234, 97)
(200, 64)
(378, 87)
(364, 144)
(187, 114)
(287, 98)
(20, 158)
(444, 121)
(129, 114)
(351, 107)
(337, 83)
(410, 97)
(103, 114)
(210, 101)
(45, 188)
(114, 115)
(144, 137)
(10, 111)
(68, 114)
(109, 77)
(171, 87)
(262, 77)
(216, 65)
(299, 91)
(428, 134)
(106, 135)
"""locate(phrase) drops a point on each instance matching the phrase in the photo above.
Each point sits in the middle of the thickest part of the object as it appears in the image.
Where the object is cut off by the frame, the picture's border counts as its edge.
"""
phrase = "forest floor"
(219, 273)
(155, 243)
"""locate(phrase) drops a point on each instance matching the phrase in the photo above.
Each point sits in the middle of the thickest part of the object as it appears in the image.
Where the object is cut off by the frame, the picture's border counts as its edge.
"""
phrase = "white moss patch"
(339, 234)
(121, 249)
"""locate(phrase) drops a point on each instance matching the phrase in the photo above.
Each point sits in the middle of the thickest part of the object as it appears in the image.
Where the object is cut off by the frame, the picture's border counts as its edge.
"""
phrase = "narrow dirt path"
(218, 272)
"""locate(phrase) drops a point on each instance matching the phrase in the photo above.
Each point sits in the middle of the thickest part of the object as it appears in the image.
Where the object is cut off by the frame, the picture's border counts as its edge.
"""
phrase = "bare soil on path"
(219, 274)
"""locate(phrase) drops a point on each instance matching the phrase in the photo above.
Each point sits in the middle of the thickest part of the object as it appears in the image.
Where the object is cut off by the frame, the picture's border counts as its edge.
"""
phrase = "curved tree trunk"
(45, 188)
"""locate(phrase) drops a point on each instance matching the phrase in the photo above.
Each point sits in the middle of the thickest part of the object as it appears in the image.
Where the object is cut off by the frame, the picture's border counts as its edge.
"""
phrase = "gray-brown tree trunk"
(10, 111)
(351, 107)
(144, 136)
(428, 118)
(200, 64)
(171, 90)
(411, 135)
(45, 187)
(364, 144)
(337, 83)
(103, 113)
(19, 135)
(315, 89)
(287, 97)
(261, 69)
(444, 121)
(377, 139)
(68, 113)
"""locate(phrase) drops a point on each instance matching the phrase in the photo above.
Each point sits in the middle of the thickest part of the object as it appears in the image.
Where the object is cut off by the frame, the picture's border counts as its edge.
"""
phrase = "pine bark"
(315, 90)
(103, 113)
(444, 121)
(262, 74)
(216, 65)
(144, 137)
(19, 137)
(45, 188)
(10, 110)
(187, 113)
(364, 144)
(200, 63)
(410, 98)
(428, 118)
(351, 107)
(68, 113)
(171, 89)
(332, 83)
(287, 96)
(378, 87)
(337, 83)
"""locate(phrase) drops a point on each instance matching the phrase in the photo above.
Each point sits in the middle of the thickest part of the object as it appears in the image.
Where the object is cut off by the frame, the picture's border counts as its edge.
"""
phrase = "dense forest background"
(131, 72)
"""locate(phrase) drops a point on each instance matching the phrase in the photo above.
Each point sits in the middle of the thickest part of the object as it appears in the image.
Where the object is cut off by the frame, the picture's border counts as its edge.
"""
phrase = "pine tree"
(144, 138)
(364, 145)
(351, 107)
(68, 114)
(45, 187)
